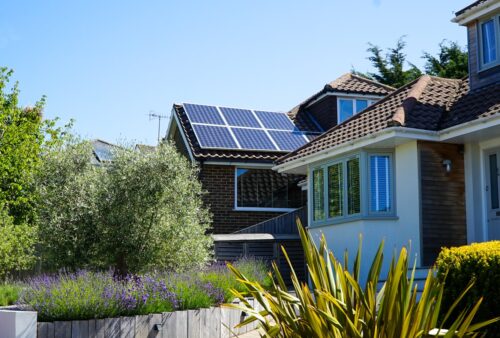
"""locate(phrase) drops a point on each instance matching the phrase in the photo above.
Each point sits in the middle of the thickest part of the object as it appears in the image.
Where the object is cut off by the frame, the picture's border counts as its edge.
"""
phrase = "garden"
(128, 239)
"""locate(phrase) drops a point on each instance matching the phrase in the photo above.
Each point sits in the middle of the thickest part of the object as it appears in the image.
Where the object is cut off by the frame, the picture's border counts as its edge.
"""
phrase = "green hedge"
(480, 261)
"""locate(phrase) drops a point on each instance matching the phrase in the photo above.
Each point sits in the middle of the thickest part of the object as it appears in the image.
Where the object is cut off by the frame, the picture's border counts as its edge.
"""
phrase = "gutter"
(476, 12)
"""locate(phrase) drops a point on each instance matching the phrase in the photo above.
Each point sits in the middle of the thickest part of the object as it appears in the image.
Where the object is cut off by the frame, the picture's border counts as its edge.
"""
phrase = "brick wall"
(218, 181)
(478, 79)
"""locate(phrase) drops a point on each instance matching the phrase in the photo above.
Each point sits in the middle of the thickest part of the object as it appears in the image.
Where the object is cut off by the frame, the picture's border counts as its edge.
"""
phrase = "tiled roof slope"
(218, 154)
(429, 103)
(351, 83)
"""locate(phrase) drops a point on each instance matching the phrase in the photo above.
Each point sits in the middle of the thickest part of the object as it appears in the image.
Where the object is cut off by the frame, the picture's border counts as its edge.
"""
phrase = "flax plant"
(335, 304)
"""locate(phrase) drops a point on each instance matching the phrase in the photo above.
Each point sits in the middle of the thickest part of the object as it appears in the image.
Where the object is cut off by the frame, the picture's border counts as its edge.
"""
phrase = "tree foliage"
(139, 212)
(391, 66)
(393, 69)
(451, 61)
(24, 135)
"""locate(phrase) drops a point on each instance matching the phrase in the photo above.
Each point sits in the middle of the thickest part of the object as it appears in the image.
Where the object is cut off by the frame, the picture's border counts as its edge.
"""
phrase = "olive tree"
(141, 211)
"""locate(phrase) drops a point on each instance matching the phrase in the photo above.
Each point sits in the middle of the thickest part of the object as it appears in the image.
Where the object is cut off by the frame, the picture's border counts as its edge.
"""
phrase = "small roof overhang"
(253, 237)
(476, 12)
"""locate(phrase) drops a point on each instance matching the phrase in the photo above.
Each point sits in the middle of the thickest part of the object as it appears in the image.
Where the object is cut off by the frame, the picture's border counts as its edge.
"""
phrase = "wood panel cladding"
(443, 221)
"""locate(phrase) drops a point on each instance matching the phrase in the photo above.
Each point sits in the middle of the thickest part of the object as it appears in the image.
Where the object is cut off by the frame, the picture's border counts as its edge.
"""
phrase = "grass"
(9, 294)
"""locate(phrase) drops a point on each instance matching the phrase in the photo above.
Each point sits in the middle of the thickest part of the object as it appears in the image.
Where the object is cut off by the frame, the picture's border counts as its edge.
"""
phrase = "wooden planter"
(214, 322)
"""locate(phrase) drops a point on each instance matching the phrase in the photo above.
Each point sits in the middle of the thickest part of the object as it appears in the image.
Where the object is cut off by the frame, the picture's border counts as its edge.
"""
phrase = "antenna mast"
(152, 115)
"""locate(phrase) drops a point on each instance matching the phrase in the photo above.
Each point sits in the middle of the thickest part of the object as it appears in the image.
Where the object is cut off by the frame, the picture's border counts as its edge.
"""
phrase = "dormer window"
(347, 107)
(490, 42)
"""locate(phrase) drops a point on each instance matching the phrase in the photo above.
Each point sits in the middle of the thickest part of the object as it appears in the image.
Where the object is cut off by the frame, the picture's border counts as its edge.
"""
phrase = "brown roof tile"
(429, 103)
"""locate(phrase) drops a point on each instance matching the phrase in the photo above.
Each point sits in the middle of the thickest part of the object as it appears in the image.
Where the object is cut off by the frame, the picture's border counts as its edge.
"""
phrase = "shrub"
(87, 295)
(338, 306)
(9, 294)
(479, 262)
(143, 210)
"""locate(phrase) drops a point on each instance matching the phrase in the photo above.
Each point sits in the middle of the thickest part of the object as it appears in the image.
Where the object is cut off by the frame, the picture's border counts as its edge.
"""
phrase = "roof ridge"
(398, 119)
(362, 78)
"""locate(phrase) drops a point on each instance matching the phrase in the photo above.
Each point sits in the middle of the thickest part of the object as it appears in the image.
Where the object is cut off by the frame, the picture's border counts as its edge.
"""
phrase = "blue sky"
(107, 64)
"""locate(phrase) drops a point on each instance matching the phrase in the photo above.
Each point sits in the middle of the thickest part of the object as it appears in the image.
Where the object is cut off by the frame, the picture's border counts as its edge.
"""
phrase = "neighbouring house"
(235, 150)
(419, 166)
(102, 151)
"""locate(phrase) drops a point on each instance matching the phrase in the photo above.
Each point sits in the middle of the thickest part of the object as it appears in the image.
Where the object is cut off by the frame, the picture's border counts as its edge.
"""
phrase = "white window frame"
(364, 188)
(496, 24)
(354, 99)
(392, 184)
(237, 208)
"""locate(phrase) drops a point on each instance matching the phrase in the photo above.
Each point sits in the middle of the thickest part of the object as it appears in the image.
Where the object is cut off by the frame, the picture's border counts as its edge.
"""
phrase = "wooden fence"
(214, 322)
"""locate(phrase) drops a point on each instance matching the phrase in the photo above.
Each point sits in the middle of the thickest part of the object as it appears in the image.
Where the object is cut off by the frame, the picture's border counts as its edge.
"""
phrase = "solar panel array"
(233, 128)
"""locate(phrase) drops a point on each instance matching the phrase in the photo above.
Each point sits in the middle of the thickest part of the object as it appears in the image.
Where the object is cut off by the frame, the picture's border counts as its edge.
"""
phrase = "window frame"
(392, 191)
(354, 100)
(496, 24)
(364, 189)
(235, 196)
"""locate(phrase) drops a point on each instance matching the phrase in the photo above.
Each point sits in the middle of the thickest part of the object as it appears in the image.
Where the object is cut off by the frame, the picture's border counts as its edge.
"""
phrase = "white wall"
(395, 232)
(475, 183)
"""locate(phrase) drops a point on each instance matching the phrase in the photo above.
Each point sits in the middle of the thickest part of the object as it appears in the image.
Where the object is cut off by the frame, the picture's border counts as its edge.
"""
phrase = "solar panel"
(272, 120)
(288, 140)
(239, 117)
(253, 139)
(103, 151)
(214, 137)
(203, 114)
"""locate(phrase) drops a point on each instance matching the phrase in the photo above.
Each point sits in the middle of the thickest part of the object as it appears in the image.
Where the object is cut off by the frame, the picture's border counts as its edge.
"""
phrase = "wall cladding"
(325, 111)
(218, 181)
(442, 198)
(478, 79)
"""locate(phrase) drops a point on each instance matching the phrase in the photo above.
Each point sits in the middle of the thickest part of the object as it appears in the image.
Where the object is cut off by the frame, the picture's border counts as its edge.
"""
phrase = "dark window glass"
(494, 181)
(265, 188)
(353, 187)
(335, 190)
(318, 196)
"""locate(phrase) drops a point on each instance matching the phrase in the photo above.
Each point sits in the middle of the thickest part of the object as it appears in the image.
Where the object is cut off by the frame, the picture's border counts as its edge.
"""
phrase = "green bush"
(9, 294)
(479, 261)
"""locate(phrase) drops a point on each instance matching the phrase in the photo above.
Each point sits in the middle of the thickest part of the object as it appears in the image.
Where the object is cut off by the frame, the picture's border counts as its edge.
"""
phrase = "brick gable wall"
(218, 181)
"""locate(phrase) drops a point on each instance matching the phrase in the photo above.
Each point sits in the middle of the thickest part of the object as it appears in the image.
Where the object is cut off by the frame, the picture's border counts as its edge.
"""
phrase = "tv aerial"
(152, 116)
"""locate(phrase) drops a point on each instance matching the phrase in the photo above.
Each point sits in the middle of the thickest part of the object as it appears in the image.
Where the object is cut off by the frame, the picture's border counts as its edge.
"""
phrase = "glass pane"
(346, 109)
(353, 187)
(263, 188)
(318, 197)
(335, 190)
(361, 105)
(380, 184)
(488, 41)
(494, 181)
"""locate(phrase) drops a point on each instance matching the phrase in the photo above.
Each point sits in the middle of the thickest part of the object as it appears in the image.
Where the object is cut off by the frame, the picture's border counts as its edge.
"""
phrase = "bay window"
(349, 183)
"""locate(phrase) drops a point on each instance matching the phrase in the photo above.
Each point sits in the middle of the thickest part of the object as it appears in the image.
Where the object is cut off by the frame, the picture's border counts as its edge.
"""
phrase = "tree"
(451, 61)
(24, 135)
(140, 212)
(390, 68)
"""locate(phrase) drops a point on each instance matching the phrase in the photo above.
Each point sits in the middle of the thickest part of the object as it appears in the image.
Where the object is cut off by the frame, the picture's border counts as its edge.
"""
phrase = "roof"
(102, 151)
(469, 7)
(428, 103)
(347, 83)
(204, 154)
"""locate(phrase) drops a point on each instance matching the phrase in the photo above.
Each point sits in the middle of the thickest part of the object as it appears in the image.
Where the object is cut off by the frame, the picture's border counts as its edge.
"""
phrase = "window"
(380, 183)
(348, 107)
(318, 202)
(267, 189)
(343, 188)
(489, 32)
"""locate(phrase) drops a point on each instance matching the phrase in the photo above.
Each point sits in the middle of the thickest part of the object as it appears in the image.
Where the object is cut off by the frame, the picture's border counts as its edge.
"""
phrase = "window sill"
(333, 222)
(264, 209)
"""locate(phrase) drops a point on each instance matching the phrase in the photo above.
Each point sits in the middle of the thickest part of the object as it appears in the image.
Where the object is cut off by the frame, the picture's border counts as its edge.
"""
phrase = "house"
(242, 188)
(419, 166)
(254, 207)
(102, 151)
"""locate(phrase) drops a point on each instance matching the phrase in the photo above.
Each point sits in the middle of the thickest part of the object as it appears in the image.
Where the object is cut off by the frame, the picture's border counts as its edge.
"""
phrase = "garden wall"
(214, 322)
